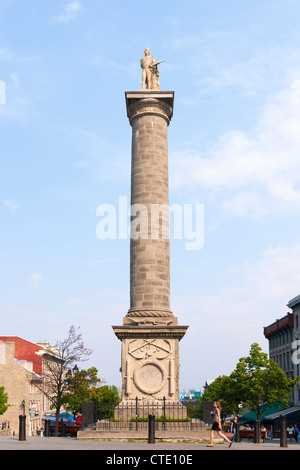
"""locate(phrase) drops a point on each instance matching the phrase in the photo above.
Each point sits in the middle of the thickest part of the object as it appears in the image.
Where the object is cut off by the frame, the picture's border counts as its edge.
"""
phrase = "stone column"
(150, 333)
(149, 115)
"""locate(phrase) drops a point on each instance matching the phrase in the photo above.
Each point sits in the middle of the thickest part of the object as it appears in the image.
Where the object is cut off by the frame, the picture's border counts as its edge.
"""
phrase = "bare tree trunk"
(56, 421)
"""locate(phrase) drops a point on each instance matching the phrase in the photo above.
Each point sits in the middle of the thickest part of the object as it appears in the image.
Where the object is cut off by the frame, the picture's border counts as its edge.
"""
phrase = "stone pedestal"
(150, 333)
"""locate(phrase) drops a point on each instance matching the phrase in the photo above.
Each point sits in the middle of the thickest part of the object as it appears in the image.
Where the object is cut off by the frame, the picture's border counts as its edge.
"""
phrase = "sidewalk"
(54, 443)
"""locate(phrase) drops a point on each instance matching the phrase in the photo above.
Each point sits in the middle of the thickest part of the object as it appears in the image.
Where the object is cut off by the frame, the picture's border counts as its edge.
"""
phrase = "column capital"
(141, 103)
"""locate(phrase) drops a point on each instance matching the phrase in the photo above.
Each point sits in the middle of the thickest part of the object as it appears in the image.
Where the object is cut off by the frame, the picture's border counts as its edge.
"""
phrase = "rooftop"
(284, 323)
(295, 301)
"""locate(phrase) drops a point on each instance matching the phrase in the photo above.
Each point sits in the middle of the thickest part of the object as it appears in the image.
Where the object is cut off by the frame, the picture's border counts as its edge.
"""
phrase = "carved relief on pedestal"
(149, 348)
(150, 367)
(149, 377)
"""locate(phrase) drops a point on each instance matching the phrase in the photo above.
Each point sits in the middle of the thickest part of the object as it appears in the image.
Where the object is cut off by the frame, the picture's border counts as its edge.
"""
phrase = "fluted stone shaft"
(149, 114)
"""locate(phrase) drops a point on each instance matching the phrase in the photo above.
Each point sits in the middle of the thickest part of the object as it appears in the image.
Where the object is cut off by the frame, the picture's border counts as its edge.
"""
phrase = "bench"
(71, 429)
(249, 434)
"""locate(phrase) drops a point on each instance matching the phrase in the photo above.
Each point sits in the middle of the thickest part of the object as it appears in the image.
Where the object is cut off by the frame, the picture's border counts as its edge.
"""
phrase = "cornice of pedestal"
(149, 102)
(165, 332)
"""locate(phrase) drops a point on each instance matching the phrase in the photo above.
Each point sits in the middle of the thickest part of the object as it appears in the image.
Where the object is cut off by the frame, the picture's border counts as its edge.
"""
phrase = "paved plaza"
(109, 447)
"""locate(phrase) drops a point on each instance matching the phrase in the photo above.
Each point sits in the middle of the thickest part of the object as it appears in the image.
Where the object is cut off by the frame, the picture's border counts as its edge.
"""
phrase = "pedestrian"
(290, 431)
(233, 426)
(296, 432)
(78, 419)
(216, 426)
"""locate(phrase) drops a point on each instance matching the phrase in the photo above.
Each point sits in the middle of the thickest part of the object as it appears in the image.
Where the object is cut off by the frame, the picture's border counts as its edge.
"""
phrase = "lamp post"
(22, 423)
(75, 370)
(72, 373)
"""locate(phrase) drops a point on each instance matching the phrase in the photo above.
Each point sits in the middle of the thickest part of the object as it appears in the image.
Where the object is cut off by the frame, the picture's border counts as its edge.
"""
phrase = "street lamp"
(69, 374)
(75, 370)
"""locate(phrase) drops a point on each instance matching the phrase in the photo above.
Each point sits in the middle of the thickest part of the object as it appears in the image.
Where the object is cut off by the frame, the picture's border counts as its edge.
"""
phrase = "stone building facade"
(284, 342)
(21, 364)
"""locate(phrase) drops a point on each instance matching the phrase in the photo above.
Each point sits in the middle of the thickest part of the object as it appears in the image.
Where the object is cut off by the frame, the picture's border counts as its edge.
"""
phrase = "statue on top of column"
(150, 76)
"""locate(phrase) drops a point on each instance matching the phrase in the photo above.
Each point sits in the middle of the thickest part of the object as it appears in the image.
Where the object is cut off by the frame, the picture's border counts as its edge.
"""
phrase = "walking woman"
(216, 426)
(233, 427)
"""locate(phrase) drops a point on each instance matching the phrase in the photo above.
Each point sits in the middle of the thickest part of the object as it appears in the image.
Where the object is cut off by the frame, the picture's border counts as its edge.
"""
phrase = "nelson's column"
(150, 333)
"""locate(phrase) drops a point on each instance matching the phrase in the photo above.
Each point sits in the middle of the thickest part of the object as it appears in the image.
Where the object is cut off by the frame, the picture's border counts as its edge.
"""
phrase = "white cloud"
(259, 295)
(275, 276)
(253, 172)
(7, 56)
(18, 103)
(35, 279)
(76, 301)
(15, 80)
(235, 59)
(11, 205)
(71, 11)
(233, 317)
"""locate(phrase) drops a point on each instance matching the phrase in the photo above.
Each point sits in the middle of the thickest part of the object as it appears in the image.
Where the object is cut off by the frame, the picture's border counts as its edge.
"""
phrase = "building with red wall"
(26, 351)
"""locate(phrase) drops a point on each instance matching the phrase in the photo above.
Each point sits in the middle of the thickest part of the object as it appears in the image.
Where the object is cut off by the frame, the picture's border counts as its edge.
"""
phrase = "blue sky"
(234, 146)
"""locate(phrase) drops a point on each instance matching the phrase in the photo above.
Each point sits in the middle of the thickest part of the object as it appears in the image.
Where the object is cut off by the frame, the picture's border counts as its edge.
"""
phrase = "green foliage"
(82, 386)
(222, 390)
(106, 394)
(194, 410)
(255, 383)
(3, 401)
(260, 381)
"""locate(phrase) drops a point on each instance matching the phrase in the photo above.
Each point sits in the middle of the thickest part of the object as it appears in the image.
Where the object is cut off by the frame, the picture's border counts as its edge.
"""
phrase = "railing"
(134, 415)
(115, 426)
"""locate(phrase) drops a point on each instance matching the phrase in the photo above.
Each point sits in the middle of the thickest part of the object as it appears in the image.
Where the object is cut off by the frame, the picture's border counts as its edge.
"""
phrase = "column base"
(150, 361)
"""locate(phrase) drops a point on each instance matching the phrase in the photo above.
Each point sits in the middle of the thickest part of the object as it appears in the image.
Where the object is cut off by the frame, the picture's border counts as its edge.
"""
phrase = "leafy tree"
(194, 409)
(83, 386)
(57, 361)
(80, 388)
(255, 383)
(259, 381)
(222, 389)
(106, 395)
(3, 401)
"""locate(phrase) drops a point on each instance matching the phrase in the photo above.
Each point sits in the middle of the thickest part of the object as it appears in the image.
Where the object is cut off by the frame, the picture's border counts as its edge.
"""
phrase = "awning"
(268, 410)
(293, 412)
(64, 416)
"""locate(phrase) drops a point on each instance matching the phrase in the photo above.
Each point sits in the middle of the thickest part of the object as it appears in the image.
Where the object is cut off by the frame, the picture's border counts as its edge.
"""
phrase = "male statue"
(150, 76)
